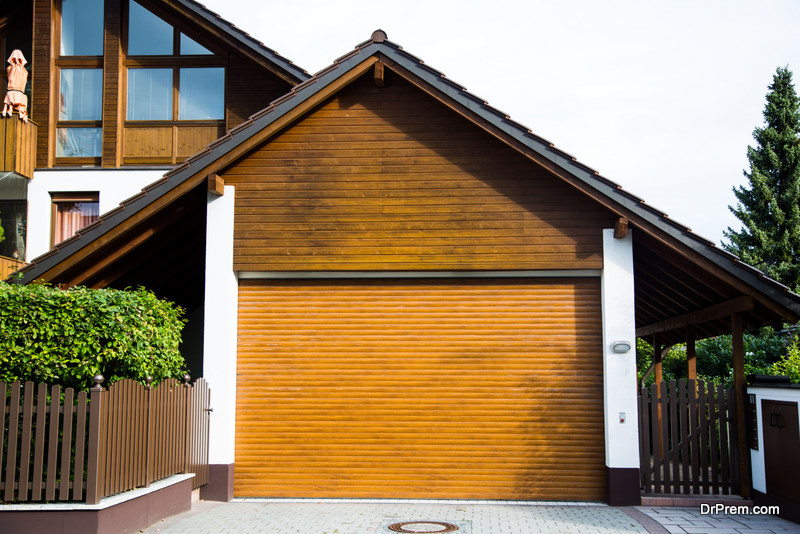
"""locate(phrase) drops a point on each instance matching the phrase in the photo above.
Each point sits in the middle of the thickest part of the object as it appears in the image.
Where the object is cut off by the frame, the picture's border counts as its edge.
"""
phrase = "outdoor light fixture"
(621, 346)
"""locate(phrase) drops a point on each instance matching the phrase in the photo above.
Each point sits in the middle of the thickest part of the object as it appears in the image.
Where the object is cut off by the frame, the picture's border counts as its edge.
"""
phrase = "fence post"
(93, 482)
(148, 443)
(187, 427)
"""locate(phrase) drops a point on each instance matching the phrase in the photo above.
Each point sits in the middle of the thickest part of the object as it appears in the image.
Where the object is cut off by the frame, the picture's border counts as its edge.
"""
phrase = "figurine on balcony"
(16, 100)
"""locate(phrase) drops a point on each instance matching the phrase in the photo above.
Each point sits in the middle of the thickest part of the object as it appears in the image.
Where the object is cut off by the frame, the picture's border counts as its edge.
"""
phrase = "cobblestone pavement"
(471, 517)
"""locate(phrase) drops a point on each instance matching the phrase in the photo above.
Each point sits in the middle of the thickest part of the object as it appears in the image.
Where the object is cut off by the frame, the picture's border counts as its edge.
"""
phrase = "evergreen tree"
(769, 207)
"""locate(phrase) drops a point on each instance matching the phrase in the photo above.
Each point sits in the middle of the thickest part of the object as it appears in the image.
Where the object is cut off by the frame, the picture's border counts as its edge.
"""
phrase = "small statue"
(16, 100)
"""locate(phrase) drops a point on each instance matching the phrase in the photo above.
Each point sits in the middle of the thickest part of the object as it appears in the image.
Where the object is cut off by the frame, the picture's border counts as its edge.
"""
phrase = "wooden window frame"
(59, 196)
(71, 62)
(174, 61)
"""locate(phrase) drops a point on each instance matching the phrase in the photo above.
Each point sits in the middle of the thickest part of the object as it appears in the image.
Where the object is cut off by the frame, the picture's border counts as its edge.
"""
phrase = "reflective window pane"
(149, 94)
(78, 142)
(81, 95)
(81, 27)
(202, 94)
(190, 47)
(148, 34)
(13, 219)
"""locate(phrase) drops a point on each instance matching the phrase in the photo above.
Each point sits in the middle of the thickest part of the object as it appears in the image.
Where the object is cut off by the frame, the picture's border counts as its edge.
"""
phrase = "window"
(202, 94)
(13, 219)
(79, 132)
(148, 35)
(188, 85)
(82, 27)
(149, 94)
(190, 47)
(71, 212)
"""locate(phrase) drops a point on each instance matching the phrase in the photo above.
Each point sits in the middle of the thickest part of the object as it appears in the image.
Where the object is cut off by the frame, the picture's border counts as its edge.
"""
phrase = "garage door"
(479, 389)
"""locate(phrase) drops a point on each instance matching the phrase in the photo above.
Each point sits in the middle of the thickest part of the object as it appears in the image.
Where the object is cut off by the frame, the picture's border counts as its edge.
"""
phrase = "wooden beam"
(378, 75)
(658, 356)
(621, 228)
(737, 335)
(216, 185)
(717, 311)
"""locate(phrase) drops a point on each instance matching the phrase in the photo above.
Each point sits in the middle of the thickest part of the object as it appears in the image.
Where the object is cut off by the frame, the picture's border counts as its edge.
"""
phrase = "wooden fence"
(66, 447)
(687, 438)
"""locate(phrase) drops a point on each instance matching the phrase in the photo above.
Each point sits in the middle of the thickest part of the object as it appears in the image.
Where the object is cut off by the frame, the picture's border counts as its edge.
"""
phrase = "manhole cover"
(423, 527)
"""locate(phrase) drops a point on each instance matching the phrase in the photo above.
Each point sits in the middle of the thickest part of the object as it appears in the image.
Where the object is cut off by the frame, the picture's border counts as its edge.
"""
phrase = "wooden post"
(148, 457)
(691, 353)
(94, 489)
(659, 376)
(737, 334)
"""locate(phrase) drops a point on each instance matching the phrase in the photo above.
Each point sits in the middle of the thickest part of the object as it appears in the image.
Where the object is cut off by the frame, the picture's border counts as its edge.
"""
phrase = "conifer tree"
(769, 206)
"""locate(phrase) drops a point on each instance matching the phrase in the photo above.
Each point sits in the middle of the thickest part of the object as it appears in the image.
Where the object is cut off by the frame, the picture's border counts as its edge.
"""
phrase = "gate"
(687, 439)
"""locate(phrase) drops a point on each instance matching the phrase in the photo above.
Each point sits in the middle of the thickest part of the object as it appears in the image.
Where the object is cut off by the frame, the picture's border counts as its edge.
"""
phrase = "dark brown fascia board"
(198, 167)
(282, 66)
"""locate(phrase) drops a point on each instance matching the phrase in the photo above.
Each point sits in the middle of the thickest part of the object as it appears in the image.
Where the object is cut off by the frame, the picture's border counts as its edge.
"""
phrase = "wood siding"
(482, 389)
(111, 82)
(250, 88)
(390, 179)
(42, 79)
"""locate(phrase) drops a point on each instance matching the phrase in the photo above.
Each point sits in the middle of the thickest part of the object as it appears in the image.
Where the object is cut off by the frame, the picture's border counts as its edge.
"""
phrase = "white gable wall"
(112, 185)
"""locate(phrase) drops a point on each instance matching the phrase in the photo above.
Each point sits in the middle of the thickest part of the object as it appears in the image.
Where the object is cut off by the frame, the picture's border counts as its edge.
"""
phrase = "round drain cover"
(423, 527)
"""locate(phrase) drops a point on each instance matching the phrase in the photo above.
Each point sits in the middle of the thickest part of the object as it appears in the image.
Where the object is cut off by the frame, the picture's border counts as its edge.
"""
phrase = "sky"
(659, 97)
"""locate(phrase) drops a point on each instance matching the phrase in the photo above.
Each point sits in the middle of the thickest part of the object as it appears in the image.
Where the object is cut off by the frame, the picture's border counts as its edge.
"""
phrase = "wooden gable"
(388, 178)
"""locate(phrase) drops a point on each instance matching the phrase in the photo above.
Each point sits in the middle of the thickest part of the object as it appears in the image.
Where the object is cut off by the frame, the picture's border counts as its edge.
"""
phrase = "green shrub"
(68, 336)
(789, 365)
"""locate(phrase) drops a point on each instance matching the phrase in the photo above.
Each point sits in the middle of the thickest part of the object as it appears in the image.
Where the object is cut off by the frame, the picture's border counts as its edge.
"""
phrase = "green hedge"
(68, 336)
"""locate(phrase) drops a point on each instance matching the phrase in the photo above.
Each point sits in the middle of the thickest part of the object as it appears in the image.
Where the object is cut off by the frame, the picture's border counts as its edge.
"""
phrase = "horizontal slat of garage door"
(482, 389)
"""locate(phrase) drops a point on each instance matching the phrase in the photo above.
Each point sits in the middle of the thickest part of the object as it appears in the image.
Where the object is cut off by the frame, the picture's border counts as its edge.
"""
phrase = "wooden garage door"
(480, 389)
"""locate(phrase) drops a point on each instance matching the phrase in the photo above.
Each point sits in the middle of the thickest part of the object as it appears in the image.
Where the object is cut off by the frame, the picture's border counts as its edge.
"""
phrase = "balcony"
(17, 146)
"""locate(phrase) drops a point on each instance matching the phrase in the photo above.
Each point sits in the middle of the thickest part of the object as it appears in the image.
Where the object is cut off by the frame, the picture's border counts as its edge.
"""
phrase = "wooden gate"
(687, 438)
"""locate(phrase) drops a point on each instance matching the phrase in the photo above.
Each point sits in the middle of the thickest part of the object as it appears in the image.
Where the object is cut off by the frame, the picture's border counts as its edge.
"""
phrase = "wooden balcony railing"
(17, 146)
(8, 266)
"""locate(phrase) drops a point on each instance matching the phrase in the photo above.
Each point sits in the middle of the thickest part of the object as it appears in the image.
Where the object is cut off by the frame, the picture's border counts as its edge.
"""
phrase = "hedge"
(67, 336)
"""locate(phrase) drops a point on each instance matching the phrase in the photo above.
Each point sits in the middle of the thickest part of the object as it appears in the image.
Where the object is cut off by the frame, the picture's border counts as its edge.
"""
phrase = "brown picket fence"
(687, 437)
(83, 447)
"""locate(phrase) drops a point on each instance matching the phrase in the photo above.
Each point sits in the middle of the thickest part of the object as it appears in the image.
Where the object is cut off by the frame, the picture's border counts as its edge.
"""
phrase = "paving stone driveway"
(472, 517)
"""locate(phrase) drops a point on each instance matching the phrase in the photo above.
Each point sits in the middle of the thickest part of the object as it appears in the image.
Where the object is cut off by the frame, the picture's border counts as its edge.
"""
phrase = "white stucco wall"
(757, 456)
(220, 328)
(619, 369)
(113, 186)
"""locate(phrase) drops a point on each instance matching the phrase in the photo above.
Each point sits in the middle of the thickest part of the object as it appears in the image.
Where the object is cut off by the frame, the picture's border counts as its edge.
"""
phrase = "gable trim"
(310, 275)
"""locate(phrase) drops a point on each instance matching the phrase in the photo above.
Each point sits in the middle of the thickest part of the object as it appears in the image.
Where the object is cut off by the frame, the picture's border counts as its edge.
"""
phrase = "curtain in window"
(72, 216)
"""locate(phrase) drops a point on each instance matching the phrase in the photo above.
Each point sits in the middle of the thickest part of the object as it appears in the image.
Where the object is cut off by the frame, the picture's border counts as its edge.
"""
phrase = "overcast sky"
(660, 97)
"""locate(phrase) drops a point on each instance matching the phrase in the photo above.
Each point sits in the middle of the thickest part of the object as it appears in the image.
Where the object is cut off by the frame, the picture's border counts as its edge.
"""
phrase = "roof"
(379, 48)
(201, 13)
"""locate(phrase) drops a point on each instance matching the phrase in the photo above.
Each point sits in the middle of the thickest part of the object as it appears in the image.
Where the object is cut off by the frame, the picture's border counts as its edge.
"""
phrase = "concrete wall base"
(126, 513)
(220, 483)
(623, 486)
